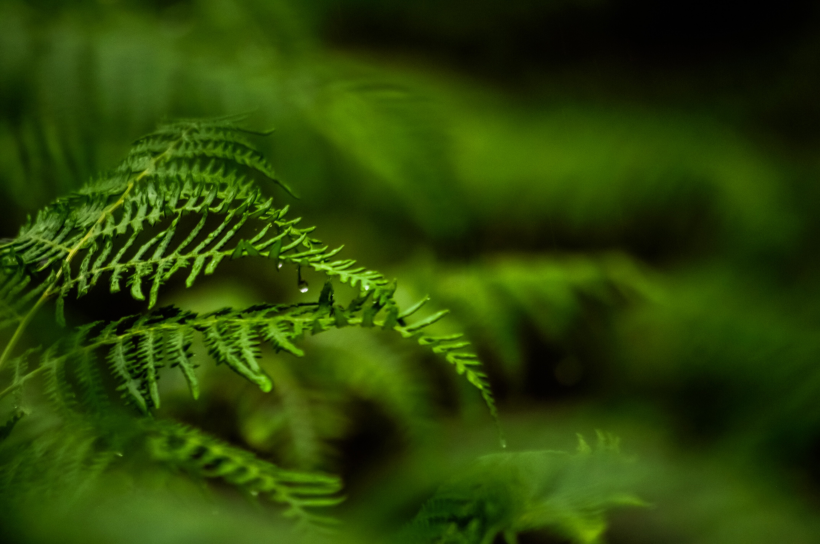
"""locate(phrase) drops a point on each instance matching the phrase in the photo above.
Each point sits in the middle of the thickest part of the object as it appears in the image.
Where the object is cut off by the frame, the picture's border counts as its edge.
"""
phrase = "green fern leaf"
(208, 457)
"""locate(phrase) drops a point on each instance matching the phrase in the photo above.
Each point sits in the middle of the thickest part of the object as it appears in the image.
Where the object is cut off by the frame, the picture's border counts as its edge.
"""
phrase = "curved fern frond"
(72, 457)
(207, 457)
(135, 224)
(502, 301)
(136, 347)
(452, 347)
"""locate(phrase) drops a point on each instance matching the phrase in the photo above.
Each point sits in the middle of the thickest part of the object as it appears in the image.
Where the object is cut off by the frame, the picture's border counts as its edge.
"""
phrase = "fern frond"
(452, 347)
(217, 139)
(509, 493)
(300, 415)
(208, 457)
(63, 463)
(137, 346)
(15, 298)
(552, 297)
(113, 226)
(370, 368)
(21, 365)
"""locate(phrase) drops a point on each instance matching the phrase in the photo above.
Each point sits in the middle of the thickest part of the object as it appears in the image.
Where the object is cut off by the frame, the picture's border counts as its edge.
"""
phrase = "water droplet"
(301, 283)
(503, 444)
(279, 265)
(366, 286)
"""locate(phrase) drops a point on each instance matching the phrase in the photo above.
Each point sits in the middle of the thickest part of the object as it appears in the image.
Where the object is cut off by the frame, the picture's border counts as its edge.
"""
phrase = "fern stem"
(10, 389)
(18, 333)
(21, 328)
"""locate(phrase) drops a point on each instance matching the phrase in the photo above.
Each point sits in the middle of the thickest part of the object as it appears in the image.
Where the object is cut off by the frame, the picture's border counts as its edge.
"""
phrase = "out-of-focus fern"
(509, 493)
(207, 457)
(596, 175)
(304, 417)
(186, 198)
(62, 462)
(717, 335)
(496, 301)
(77, 82)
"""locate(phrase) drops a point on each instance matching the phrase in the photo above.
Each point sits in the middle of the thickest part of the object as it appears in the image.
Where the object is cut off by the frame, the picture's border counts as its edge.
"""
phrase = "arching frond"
(181, 200)
(207, 457)
(501, 301)
(136, 347)
(451, 346)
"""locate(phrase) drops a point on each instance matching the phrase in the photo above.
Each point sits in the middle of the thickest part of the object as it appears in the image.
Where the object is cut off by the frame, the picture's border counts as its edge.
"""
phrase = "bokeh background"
(618, 199)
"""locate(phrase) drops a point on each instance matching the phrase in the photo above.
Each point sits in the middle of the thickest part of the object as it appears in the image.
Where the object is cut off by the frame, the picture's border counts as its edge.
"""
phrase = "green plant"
(506, 494)
(189, 197)
(186, 198)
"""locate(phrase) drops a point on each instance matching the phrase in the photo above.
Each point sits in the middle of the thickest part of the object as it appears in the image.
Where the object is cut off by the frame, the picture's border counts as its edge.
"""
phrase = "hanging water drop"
(366, 286)
(279, 265)
(302, 284)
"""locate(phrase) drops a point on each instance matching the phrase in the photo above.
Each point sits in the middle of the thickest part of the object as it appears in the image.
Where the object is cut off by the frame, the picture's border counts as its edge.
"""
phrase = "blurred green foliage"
(618, 202)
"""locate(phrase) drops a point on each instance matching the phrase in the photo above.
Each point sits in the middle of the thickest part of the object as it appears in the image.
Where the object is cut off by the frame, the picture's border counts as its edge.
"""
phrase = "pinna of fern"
(185, 199)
